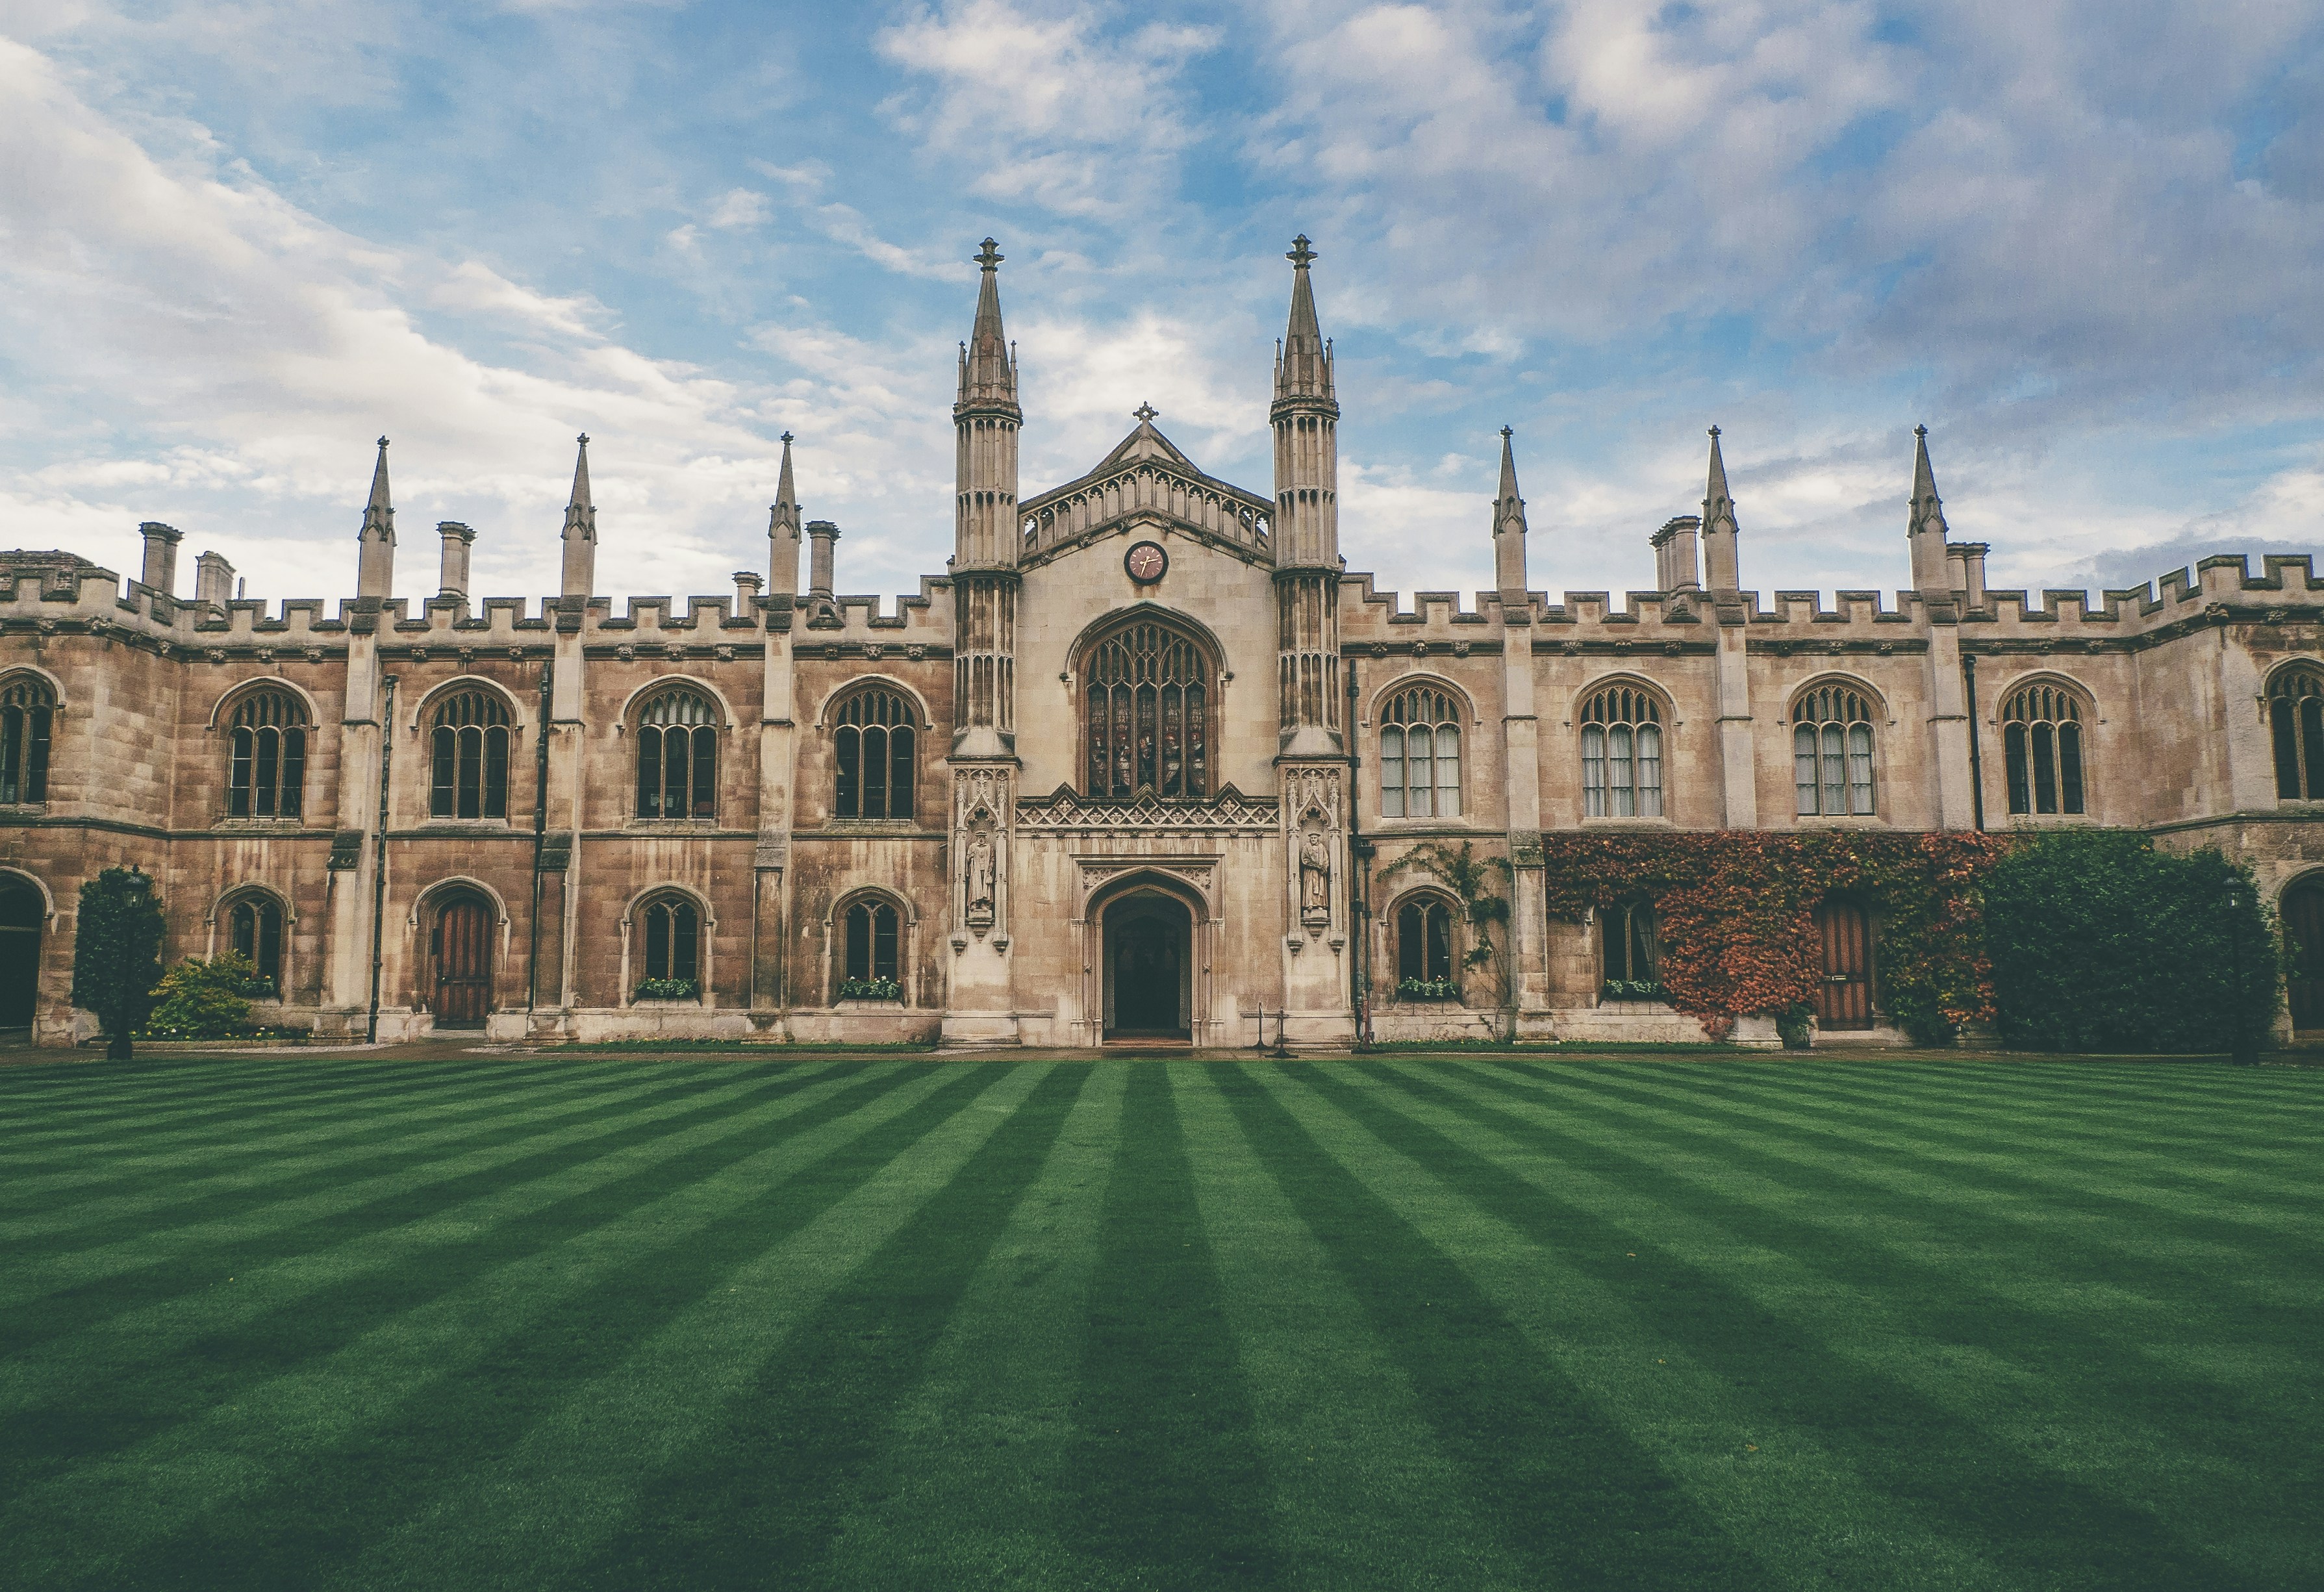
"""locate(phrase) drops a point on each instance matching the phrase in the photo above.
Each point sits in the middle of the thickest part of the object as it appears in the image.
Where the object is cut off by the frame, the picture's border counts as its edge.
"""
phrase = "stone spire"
(376, 557)
(1720, 531)
(783, 532)
(988, 365)
(1924, 529)
(1306, 530)
(1510, 530)
(580, 530)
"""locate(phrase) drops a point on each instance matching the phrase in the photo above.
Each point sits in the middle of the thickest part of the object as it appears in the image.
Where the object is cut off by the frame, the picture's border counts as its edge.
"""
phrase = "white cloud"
(740, 207)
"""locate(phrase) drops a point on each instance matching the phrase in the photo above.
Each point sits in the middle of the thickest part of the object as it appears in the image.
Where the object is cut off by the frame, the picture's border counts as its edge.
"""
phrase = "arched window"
(1146, 715)
(253, 930)
(267, 772)
(2295, 712)
(677, 756)
(472, 757)
(1621, 754)
(873, 745)
(1424, 948)
(26, 709)
(1420, 754)
(872, 930)
(1630, 952)
(1832, 751)
(672, 926)
(2042, 744)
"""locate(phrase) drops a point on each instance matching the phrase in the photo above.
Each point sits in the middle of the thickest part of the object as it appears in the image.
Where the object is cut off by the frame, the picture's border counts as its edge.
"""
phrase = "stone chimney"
(1970, 556)
(213, 581)
(453, 582)
(1677, 559)
(747, 583)
(161, 571)
(822, 534)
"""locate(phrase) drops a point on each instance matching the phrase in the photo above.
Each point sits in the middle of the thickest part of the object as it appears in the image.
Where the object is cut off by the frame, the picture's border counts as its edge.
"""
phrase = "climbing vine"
(1470, 878)
(1735, 914)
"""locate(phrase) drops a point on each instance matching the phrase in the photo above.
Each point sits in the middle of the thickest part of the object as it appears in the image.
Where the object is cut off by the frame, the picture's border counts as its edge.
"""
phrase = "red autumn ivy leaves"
(1736, 913)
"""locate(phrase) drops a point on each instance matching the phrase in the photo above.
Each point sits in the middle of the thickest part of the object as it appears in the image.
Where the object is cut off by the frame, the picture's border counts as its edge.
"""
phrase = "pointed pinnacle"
(1509, 494)
(1925, 479)
(1717, 486)
(379, 498)
(580, 498)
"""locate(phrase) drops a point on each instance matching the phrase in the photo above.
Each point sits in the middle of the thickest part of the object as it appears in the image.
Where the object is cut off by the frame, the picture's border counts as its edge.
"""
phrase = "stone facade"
(1120, 772)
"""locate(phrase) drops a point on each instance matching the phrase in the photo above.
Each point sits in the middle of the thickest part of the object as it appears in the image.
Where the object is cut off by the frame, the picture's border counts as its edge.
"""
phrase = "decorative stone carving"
(981, 887)
(1064, 809)
(1315, 878)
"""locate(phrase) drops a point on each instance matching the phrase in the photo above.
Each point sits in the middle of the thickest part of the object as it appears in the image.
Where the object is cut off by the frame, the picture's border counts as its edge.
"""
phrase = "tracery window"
(1832, 751)
(1148, 714)
(2295, 712)
(1631, 953)
(673, 945)
(677, 756)
(267, 768)
(2041, 748)
(874, 746)
(471, 757)
(1420, 754)
(255, 931)
(27, 709)
(1621, 754)
(872, 930)
(1424, 942)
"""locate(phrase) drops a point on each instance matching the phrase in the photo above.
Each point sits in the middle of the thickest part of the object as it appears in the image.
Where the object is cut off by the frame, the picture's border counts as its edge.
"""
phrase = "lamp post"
(2241, 1046)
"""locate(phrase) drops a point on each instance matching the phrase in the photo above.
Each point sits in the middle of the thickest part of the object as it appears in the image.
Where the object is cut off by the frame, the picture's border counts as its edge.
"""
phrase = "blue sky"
(2078, 241)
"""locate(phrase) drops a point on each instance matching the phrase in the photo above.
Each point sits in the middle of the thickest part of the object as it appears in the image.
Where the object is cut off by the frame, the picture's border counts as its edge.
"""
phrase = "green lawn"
(881, 1323)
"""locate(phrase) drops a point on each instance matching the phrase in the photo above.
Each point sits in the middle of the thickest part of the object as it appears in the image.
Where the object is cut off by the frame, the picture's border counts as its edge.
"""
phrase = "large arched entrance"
(460, 950)
(1148, 948)
(23, 912)
(2302, 912)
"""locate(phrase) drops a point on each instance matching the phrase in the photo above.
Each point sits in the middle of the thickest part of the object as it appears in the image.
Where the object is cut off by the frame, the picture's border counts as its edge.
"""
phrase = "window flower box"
(870, 989)
(665, 989)
(1428, 989)
(1631, 990)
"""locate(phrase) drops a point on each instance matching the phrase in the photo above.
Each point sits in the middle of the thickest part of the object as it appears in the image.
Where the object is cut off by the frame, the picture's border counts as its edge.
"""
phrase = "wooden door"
(2303, 934)
(22, 914)
(464, 963)
(1844, 999)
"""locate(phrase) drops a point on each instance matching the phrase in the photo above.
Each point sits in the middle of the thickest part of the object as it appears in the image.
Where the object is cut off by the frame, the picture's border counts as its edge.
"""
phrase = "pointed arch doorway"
(23, 912)
(1148, 950)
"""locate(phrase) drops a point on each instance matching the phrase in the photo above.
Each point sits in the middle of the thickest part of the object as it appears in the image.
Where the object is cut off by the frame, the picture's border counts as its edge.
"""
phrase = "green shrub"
(870, 990)
(116, 954)
(2100, 941)
(665, 989)
(1429, 989)
(205, 1000)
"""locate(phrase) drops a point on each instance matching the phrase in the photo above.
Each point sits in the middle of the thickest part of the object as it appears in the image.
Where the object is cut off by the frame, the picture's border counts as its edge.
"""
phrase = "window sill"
(1466, 824)
(872, 825)
(666, 1006)
(465, 826)
(857, 1003)
(1637, 1008)
(670, 825)
(2047, 820)
(1839, 820)
(262, 825)
(1662, 821)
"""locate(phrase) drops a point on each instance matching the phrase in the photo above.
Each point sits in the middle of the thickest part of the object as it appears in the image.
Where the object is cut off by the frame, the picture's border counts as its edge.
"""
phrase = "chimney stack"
(747, 583)
(1971, 558)
(453, 582)
(1677, 563)
(822, 533)
(160, 555)
(213, 581)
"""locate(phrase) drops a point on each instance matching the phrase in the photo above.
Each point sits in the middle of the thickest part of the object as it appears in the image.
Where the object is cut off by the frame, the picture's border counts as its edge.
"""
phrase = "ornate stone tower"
(1310, 761)
(985, 586)
(1924, 528)
(783, 532)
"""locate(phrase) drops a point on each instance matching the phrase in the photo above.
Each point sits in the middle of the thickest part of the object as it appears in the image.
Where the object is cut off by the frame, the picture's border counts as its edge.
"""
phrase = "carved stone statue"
(980, 876)
(1314, 876)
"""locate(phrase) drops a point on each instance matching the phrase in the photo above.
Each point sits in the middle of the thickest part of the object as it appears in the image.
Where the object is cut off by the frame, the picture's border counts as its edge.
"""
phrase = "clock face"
(1145, 562)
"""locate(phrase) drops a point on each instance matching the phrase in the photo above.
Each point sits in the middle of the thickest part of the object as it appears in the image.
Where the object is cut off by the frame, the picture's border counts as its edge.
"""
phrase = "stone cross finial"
(1300, 253)
(1714, 430)
(990, 256)
(787, 437)
(1507, 433)
(1145, 413)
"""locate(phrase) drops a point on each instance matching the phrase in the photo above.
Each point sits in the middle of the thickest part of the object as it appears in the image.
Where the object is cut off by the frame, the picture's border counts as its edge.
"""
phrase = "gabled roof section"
(1145, 476)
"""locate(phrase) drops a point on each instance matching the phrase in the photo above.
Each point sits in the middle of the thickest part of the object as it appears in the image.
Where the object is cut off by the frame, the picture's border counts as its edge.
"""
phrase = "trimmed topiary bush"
(2097, 941)
(116, 954)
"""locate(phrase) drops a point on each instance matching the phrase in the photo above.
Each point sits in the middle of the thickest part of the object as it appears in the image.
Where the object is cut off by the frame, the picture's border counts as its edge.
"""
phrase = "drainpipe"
(1976, 760)
(1359, 874)
(378, 860)
(540, 838)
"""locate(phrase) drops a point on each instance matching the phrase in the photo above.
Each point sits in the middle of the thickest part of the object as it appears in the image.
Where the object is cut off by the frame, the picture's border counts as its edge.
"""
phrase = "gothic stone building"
(1138, 764)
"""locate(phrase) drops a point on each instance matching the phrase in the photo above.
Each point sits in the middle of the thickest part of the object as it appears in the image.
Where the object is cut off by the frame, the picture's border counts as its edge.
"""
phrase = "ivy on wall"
(1735, 914)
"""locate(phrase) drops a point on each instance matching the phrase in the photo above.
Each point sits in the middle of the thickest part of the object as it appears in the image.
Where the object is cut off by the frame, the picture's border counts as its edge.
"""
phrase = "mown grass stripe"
(145, 1184)
(150, 1317)
(2100, 1190)
(1165, 1483)
(2025, 1321)
(537, 1505)
(334, 1209)
(1404, 1421)
(271, 1466)
(2025, 1513)
(963, 1492)
(1798, 1502)
(771, 1479)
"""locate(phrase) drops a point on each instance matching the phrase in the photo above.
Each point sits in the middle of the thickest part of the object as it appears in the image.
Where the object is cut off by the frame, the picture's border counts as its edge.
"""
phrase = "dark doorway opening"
(462, 950)
(1149, 982)
(2303, 932)
(23, 913)
(1844, 999)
